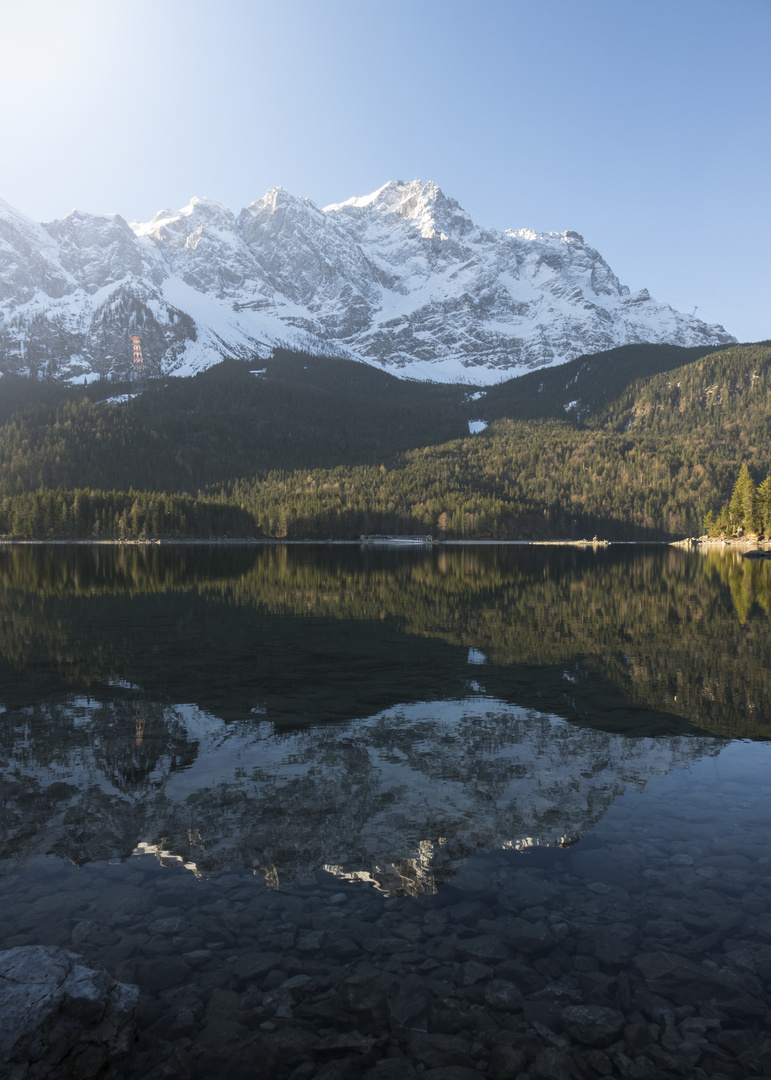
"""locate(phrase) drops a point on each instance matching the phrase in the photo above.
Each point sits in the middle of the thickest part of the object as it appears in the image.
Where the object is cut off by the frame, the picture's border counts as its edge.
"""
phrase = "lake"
(456, 811)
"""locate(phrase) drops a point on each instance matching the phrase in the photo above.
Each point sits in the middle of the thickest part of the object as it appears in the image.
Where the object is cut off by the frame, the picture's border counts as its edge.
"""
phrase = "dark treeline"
(316, 448)
(59, 514)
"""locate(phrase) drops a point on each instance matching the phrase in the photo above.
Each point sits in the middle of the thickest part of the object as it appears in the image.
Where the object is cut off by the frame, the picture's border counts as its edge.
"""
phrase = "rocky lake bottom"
(643, 951)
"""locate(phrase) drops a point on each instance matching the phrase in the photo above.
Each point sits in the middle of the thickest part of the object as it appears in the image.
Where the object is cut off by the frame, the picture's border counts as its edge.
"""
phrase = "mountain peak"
(199, 211)
(424, 206)
(278, 199)
(400, 278)
(204, 204)
(392, 196)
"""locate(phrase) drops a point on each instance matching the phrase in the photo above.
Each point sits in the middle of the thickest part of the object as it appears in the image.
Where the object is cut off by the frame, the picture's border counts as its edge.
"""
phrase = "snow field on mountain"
(401, 279)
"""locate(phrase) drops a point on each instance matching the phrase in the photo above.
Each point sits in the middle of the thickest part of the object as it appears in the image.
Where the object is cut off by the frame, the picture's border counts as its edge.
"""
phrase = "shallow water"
(353, 812)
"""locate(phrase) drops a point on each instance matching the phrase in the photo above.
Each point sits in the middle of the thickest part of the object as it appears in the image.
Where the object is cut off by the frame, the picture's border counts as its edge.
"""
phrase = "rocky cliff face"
(401, 278)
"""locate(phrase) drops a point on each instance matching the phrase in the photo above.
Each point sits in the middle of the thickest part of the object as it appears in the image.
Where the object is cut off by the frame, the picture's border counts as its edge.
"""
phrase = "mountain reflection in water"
(400, 799)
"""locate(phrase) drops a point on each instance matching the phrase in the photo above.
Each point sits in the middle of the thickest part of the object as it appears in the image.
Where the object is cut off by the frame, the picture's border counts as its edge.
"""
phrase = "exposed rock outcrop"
(61, 1017)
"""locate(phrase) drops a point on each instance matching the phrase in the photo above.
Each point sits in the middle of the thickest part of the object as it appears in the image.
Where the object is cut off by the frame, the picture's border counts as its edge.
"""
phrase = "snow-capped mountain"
(401, 278)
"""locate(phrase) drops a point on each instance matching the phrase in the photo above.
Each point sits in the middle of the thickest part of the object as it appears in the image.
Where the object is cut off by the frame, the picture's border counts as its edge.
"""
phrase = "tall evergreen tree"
(742, 505)
(763, 511)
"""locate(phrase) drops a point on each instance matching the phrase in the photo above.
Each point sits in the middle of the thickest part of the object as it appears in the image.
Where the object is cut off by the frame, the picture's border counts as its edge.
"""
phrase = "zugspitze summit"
(401, 278)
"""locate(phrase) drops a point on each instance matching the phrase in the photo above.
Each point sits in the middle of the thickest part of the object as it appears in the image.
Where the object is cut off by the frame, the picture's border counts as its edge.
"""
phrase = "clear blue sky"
(645, 125)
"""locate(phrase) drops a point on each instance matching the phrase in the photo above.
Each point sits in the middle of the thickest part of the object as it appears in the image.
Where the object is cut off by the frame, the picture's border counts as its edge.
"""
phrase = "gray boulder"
(61, 1017)
(593, 1025)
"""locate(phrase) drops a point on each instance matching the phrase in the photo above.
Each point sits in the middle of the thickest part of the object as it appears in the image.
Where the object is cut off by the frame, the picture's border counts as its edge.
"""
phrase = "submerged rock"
(61, 1017)
(593, 1025)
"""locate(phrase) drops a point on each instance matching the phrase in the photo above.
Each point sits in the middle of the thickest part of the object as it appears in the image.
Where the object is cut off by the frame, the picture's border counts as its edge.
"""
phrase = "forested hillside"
(586, 386)
(309, 447)
(649, 465)
(233, 420)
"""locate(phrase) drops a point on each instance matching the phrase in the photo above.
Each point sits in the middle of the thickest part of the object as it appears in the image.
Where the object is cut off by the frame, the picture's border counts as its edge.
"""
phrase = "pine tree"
(763, 510)
(723, 523)
(742, 505)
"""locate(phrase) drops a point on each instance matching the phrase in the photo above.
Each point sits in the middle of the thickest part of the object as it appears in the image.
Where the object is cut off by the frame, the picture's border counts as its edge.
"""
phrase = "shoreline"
(274, 542)
(692, 542)
(738, 543)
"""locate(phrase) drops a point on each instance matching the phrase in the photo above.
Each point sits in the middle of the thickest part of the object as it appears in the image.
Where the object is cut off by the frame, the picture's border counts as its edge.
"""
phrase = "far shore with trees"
(133, 516)
(747, 513)
(328, 449)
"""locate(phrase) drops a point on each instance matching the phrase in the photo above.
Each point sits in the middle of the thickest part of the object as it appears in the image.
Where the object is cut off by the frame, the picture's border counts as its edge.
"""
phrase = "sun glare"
(50, 49)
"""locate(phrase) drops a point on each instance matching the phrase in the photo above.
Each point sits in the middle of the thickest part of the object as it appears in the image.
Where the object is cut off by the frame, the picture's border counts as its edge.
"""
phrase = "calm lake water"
(468, 811)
